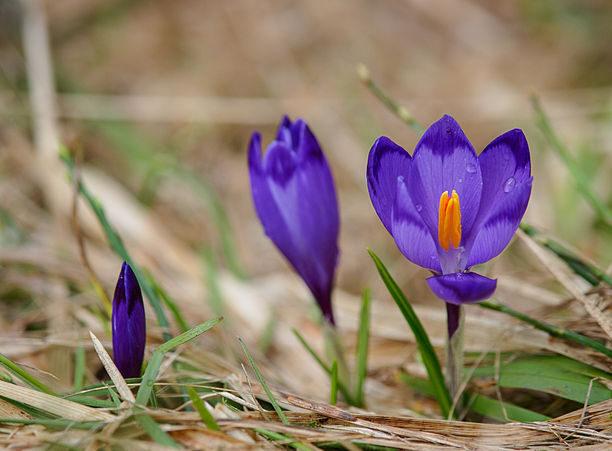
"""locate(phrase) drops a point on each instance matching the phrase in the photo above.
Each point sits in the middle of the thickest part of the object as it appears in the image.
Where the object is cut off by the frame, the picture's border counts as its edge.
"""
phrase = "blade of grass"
(24, 375)
(430, 359)
(79, 368)
(214, 297)
(286, 440)
(582, 182)
(341, 387)
(153, 429)
(205, 415)
(56, 423)
(168, 302)
(363, 337)
(333, 395)
(550, 329)
(150, 375)
(117, 245)
(402, 113)
(588, 271)
(264, 384)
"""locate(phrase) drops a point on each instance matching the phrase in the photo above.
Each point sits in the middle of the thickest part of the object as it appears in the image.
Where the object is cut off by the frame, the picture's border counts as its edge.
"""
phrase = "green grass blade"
(494, 408)
(169, 303)
(24, 375)
(582, 181)
(333, 395)
(341, 387)
(55, 423)
(550, 329)
(205, 415)
(363, 337)
(264, 384)
(150, 375)
(284, 439)
(430, 359)
(214, 297)
(153, 429)
(117, 245)
(79, 368)
(588, 271)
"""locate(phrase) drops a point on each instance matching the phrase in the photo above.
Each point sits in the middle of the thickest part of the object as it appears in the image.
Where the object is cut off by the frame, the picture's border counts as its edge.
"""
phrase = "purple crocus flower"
(295, 199)
(449, 209)
(129, 325)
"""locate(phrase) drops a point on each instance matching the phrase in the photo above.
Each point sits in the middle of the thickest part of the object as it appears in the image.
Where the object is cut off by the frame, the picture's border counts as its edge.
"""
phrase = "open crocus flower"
(449, 209)
(295, 199)
(128, 324)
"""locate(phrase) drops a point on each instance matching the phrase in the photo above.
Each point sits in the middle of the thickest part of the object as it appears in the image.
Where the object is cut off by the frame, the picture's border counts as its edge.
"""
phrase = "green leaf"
(480, 404)
(493, 408)
(333, 395)
(363, 337)
(150, 375)
(153, 429)
(79, 367)
(205, 415)
(264, 384)
(430, 359)
(24, 375)
(556, 375)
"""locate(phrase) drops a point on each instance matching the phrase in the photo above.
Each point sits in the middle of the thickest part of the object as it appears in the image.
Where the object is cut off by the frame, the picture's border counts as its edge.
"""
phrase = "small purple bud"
(129, 324)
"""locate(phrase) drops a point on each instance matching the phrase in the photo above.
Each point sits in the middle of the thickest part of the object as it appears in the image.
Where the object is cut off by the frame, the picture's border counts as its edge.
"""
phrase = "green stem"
(550, 329)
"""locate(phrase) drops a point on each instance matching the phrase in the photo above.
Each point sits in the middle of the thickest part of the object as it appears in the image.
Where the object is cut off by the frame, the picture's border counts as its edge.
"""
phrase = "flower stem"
(454, 348)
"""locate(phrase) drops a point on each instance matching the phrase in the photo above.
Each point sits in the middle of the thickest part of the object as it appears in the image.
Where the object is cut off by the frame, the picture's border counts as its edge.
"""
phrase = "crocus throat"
(449, 221)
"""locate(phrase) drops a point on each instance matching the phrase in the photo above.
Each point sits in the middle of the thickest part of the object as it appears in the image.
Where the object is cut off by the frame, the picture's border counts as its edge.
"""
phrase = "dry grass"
(53, 298)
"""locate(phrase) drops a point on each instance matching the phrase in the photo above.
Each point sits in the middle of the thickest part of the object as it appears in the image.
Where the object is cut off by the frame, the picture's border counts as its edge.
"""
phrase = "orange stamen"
(449, 220)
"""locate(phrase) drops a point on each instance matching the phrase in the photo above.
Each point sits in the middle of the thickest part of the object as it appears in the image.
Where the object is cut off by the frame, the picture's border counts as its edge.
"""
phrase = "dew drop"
(509, 184)
(471, 168)
(460, 180)
(419, 207)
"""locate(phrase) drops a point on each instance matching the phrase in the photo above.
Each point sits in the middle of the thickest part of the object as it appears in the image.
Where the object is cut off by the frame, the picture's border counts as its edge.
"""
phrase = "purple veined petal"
(411, 235)
(444, 160)
(386, 162)
(462, 287)
(295, 199)
(128, 324)
(506, 177)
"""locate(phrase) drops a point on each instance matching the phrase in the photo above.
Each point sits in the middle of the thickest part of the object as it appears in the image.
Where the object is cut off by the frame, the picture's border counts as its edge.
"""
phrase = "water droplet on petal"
(460, 180)
(471, 168)
(419, 207)
(509, 184)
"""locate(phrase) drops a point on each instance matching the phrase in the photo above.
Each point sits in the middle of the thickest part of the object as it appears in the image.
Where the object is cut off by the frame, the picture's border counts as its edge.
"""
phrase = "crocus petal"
(462, 288)
(386, 162)
(128, 324)
(295, 199)
(506, 178)
(410, 232)
(444, 160)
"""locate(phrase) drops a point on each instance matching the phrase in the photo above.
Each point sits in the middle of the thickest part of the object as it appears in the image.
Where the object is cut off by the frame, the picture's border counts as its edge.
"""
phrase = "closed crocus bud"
(129, 325)
(295, 199)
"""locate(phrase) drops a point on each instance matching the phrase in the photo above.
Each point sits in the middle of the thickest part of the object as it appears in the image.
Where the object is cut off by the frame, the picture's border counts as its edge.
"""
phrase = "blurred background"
(161, 98)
